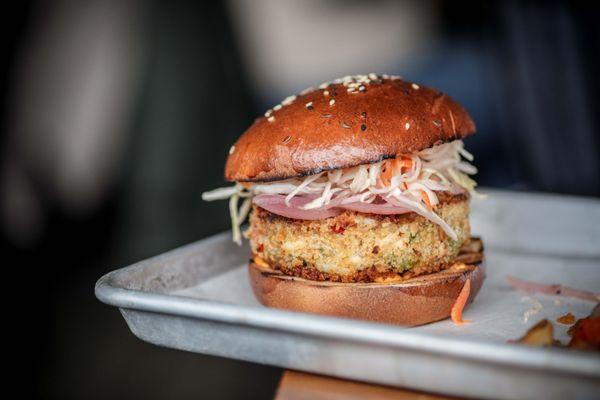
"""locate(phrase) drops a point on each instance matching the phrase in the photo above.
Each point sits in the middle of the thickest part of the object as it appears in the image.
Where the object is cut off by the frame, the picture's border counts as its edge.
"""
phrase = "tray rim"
(326, 327)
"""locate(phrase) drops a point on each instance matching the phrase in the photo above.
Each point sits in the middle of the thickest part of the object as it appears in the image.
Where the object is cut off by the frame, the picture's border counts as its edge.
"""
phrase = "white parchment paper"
(547, 239)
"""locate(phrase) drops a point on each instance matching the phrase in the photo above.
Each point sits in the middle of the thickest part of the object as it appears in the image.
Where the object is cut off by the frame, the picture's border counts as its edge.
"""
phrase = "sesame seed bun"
(411, 302)
(345, 124)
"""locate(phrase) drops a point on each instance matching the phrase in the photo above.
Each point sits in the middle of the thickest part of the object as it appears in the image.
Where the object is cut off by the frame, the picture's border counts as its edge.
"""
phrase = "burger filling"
(360, 247)
(411, 185)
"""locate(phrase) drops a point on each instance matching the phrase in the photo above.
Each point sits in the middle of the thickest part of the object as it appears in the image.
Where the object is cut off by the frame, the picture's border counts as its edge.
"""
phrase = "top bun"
(355, 120)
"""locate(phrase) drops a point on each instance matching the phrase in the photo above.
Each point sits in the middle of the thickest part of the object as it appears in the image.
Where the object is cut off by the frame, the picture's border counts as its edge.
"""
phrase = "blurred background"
(117, 115)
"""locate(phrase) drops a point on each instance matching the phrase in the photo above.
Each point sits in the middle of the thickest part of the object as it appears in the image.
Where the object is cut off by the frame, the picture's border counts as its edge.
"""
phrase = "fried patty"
(358, 247)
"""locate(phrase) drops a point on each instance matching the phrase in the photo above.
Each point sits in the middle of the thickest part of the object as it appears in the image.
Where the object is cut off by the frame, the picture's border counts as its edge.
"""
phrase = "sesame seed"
(287, 139)
(415, 86)
(331, 102)
(326, 115)
(288, 100)
(345, 125)
(231, 149)
(323, 85)
(326, 93)
(362, 88)
(437, 123)
(373, 76)
(363, 114)
(309, 105)
(407, 125)
(271, 119)
(277, 107)
(268, 113)
(363, 127)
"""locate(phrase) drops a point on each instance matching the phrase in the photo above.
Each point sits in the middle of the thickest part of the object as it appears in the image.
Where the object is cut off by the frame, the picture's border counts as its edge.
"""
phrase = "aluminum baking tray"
(197, 298)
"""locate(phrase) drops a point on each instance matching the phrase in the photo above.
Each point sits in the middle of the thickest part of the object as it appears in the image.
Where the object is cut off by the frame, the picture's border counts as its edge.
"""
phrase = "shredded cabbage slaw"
(408, 181)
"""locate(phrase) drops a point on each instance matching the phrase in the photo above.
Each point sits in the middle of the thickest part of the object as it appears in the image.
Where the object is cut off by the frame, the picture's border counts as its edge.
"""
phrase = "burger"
(358, 197)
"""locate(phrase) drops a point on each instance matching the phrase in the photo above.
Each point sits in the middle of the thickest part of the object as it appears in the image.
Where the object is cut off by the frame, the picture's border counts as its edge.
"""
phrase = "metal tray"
(197, 298)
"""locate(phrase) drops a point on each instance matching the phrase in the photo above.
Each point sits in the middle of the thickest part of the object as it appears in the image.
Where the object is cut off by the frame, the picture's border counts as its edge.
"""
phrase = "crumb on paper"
(536, 307)
(567, 319)
(585, 334)
(539, 335)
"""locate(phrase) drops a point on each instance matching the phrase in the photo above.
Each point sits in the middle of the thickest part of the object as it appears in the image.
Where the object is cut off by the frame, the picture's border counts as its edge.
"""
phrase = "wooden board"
(300, 386)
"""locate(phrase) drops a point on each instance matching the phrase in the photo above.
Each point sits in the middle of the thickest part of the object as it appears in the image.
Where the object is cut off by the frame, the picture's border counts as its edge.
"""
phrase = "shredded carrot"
(391, 167)
(404, 163)
(426, 200)
(386, 173)
(460, 303)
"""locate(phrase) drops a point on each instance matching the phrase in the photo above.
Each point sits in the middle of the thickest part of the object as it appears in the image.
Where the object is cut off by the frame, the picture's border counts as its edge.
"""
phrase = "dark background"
(117, 115)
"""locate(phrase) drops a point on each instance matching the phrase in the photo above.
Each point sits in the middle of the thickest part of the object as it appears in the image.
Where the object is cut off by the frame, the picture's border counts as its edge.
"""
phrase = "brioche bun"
(338, 127)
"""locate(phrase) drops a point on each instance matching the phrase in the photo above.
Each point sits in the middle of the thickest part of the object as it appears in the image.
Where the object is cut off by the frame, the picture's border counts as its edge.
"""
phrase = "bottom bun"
(416, 301)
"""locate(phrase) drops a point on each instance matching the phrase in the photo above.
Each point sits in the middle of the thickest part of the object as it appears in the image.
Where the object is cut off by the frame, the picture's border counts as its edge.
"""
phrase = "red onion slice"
(370, 208)
(275, 203)
(552, 289)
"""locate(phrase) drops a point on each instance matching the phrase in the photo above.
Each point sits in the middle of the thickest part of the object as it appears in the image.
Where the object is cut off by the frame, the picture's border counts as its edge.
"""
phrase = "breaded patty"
(357, 247)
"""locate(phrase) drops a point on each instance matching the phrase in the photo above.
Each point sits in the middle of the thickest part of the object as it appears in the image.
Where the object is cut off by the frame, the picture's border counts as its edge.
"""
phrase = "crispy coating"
(357, 247)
